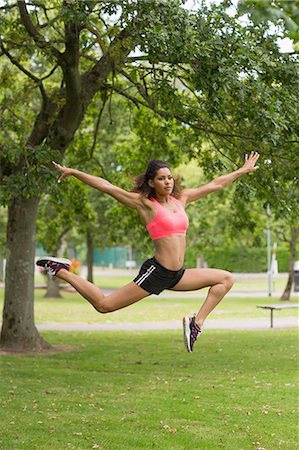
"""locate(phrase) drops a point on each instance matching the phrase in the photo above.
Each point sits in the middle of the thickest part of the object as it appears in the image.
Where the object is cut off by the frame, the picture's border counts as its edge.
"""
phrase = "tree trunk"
(1, 268)
(18, 330)
(293, 241)
(89, 242)
(52, 282)
(52, 288)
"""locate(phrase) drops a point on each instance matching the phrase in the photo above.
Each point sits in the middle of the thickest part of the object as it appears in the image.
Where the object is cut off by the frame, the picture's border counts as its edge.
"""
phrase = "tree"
(285, 15)
(275, 11)
(288, 230)
(58, 214)
(292, 241)
(3, 220)
(192, 70)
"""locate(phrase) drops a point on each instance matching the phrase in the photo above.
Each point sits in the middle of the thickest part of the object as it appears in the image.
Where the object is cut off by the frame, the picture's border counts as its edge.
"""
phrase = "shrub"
(239, 259)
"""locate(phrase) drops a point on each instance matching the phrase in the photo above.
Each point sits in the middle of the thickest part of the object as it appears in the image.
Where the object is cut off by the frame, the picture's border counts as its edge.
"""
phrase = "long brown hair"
(141, 181)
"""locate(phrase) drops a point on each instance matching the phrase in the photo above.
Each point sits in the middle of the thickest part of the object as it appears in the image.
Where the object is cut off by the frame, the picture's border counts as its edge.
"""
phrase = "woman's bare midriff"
(170, 251)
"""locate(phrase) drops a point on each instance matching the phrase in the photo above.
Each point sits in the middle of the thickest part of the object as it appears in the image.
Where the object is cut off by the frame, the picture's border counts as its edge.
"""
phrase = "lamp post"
(269, 258)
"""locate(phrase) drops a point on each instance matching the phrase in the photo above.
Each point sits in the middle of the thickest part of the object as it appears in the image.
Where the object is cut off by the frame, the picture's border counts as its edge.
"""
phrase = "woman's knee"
(228, 280)
(103, 307)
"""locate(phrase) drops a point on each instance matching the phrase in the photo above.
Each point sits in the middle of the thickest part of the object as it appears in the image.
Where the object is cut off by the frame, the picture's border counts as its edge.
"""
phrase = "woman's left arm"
(190, 195)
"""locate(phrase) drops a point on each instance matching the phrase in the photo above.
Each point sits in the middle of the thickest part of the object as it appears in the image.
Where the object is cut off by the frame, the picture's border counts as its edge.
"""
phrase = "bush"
(239, 259)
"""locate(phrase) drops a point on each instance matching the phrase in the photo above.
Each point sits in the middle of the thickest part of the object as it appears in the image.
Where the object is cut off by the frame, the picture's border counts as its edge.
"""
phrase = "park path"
(219, 324)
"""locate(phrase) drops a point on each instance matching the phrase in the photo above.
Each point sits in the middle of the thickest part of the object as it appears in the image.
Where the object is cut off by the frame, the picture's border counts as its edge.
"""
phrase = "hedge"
(239, 259)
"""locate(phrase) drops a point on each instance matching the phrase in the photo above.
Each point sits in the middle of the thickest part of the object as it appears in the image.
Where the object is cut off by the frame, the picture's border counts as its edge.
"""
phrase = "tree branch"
(50, 73)
(96, 130)
(14, 44)
(150, 102)
(116, 55)
(33, 31)
(141, 89)
(88, 58)
(50, 22)
(38, 81)
(220, 151)
(137, 102)
(40, 5)
(180, 118)
(19, 118)
(63, 232)
(100, 41)
(8, 7)
(18, 65)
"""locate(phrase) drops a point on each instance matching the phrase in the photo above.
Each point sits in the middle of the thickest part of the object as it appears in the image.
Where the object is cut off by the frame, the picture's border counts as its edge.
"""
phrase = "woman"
(161, 206)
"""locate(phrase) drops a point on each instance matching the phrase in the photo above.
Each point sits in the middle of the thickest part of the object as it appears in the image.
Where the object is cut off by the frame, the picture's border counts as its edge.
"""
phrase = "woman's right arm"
(131, 199)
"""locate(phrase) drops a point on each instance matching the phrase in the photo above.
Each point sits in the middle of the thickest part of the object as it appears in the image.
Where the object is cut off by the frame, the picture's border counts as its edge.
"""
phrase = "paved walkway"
(222, 324)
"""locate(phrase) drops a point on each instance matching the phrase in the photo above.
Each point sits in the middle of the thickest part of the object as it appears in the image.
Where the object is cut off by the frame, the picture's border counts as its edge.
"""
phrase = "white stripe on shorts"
(145, 275)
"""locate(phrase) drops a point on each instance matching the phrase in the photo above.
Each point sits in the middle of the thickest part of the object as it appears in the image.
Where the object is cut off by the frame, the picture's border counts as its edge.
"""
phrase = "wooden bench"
(277, 307)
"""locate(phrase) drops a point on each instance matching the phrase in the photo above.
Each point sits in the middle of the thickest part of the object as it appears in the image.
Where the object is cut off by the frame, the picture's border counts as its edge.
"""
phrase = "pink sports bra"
(167, 223)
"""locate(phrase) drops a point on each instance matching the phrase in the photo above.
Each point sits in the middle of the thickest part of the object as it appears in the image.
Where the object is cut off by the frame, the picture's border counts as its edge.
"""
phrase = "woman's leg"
(121, 298)
(220, 282)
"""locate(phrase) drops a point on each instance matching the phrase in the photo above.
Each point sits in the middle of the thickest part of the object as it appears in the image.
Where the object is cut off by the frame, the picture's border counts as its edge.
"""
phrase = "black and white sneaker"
(53, 265)
(191, 332)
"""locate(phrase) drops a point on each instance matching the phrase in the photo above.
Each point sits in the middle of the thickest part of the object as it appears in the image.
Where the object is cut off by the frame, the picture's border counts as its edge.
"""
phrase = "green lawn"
(141, 390)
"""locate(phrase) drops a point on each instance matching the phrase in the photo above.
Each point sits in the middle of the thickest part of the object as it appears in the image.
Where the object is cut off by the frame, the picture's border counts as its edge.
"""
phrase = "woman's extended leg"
(121, 298)
(220, 282)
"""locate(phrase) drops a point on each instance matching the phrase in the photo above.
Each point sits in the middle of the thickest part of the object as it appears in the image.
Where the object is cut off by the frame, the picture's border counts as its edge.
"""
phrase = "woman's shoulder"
(179, 197)
(147, 202)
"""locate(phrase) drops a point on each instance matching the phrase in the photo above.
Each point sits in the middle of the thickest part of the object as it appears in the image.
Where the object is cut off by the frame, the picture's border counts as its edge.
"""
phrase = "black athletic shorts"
(154, 278)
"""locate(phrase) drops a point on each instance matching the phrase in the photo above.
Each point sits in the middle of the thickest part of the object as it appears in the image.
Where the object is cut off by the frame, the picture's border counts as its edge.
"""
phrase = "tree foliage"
(279, 12)
(199, 68)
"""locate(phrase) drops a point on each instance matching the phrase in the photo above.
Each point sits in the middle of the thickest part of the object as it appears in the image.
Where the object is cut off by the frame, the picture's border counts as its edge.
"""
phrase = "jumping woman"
(161, 206)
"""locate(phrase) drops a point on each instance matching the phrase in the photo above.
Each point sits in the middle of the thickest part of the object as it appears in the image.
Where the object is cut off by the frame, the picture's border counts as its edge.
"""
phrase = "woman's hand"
(65, 172)
(250, 162)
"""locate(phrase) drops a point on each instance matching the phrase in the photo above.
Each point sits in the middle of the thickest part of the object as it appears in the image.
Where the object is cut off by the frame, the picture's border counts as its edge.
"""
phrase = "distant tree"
(292, 242)
(58, 213)
(3, 220)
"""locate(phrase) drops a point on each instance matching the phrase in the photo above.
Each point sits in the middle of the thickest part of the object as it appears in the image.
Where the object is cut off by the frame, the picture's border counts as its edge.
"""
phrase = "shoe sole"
(186, 331)
(42, 261)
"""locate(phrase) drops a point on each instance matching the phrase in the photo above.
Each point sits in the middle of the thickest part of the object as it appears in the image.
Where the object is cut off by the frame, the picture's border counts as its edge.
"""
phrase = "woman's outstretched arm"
(190, 195)
(130, 199)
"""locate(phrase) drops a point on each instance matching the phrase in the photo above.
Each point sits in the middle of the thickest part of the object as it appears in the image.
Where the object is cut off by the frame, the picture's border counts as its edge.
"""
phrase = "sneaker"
(191, 332)
(53, 265)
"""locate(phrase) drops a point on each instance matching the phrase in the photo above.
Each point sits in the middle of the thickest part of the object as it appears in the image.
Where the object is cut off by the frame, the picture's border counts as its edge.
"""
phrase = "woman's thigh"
(124, 296)
(199, 278)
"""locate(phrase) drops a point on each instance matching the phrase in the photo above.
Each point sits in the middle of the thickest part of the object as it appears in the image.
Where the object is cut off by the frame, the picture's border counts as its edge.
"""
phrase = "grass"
(141, 390)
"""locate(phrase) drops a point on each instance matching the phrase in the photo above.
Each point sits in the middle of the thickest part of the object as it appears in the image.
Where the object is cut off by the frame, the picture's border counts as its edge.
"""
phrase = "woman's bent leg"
(220, 282)
(121, 298)
(215, 295)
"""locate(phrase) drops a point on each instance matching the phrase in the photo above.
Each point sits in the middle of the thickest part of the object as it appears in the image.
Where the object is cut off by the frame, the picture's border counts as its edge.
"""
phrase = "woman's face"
(163, 182)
